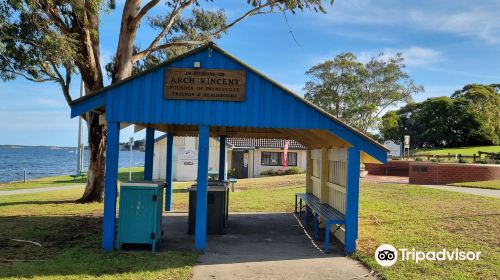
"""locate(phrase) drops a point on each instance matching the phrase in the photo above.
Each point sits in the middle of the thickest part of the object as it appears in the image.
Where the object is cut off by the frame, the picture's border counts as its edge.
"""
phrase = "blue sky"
(446, 44)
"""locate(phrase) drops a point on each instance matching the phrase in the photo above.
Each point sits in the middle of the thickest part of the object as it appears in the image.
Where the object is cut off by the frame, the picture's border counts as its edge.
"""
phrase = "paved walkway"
(39, 190)
(404, 180)
(385, 179)
(476, 191)
(262, 246)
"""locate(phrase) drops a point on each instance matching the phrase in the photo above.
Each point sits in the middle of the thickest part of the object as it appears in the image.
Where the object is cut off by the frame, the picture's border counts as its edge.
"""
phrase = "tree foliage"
(468, 117)
(358, 93)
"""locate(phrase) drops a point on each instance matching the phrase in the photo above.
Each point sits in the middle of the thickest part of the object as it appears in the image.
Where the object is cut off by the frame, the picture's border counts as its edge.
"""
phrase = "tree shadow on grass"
(71, 247)
(37, 202)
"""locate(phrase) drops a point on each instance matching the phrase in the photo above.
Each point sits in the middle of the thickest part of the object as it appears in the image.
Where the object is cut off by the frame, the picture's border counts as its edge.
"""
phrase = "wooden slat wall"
(337, 173)
(316, 177)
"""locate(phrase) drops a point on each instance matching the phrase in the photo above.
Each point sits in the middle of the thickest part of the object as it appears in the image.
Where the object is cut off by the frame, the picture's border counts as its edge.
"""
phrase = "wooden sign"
(201, 84)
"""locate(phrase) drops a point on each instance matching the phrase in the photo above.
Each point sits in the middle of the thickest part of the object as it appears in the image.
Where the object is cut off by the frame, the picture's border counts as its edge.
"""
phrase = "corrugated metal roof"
(264, 143)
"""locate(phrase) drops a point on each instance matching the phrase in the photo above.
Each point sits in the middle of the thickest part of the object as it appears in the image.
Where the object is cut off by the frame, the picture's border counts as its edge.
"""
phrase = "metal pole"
(130, 159)
(24, 171)
(79, 152)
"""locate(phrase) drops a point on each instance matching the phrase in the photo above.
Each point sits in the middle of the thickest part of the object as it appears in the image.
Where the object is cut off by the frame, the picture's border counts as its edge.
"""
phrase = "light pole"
(130, 159)
(79, 149)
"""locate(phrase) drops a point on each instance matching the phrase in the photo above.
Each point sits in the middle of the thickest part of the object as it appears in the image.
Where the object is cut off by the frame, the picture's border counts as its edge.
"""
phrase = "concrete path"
(39, 190)
(476, 191)
(262, 246)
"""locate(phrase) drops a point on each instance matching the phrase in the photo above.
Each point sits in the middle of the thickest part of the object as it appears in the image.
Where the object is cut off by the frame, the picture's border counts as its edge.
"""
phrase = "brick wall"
(391, 168)
(427, 173)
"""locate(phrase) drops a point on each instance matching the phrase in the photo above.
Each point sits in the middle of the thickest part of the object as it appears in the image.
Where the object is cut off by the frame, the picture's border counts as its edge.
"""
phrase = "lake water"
(48, 161)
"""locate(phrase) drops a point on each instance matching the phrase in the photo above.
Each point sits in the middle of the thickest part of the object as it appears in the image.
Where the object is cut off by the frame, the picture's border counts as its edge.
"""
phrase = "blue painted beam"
(110, 186)
(169, 172)
(352, 200)
(149, 154)
(200, 234)
(88, 104)
(222, 158)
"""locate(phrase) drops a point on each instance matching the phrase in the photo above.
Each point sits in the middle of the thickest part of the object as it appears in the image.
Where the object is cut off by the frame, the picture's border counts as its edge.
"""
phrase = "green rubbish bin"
(217, 207)
(140, 213)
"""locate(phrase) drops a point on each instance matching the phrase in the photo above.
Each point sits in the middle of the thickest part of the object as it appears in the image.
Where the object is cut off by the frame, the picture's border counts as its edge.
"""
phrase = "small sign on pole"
(406, 143)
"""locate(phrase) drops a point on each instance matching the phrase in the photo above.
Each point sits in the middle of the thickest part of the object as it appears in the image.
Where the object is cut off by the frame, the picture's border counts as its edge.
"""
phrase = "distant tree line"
(471, 116)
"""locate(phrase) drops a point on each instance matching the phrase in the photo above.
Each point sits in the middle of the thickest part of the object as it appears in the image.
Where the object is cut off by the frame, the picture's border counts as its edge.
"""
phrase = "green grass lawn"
(66, 180)
(464, 151)
(492, 184)
(401, 215)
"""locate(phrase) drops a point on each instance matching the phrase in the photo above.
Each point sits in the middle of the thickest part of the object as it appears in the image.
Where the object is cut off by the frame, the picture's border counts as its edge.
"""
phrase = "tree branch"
(64, 83)
(252, 12)
(137, 20)
(142, 54)
(170, 22)
(155, 46)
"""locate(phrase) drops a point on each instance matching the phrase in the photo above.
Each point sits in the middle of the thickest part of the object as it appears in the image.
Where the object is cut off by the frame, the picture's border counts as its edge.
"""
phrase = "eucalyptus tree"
(358, 93)
(50, 40)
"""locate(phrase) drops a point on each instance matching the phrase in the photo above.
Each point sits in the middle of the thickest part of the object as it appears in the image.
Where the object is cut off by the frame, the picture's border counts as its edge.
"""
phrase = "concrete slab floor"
(262, 246)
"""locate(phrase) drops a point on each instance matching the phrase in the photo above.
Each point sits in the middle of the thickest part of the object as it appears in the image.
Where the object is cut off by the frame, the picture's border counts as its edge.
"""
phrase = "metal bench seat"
(330, 215)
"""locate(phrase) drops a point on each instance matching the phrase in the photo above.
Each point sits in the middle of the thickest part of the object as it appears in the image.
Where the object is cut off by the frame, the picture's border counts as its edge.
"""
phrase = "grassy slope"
(492, 184)
(405, 216)
(464, 151)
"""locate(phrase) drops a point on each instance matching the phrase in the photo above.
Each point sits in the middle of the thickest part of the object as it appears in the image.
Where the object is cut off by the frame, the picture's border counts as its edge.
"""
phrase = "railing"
(459, 157)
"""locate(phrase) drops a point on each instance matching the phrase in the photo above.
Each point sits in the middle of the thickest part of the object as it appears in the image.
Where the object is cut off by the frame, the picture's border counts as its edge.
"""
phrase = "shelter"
(209, 93)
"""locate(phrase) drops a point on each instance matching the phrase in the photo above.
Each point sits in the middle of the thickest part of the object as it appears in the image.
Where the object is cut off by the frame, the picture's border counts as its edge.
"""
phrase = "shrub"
(269, 172)
(231, 172)
(419, 159)
(462, 160)
(436, 160)
(292, 171)
(482, 161)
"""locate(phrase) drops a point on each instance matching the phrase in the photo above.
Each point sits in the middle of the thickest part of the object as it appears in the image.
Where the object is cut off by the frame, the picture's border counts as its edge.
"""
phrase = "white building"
(247, 158)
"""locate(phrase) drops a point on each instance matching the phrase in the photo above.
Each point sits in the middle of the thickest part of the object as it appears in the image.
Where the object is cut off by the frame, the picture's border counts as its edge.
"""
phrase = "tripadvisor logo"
(387, 255)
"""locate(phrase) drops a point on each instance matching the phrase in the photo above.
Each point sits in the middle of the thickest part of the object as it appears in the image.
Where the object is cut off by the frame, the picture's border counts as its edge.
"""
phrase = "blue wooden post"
(200, 236)
(110, 186)
(352, 200)
(149, 153)
(222, 158)
(169, 172)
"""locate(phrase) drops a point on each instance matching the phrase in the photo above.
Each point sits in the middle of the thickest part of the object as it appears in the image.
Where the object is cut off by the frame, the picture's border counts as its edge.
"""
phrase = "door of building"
(240, 164)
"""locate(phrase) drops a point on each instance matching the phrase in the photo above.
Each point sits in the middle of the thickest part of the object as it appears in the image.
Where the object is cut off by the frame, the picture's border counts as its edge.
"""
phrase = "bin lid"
(211, 188)
(142, 184)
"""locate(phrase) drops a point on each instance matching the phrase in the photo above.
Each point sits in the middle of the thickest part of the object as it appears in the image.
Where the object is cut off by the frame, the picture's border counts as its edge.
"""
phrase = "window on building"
(275, 158)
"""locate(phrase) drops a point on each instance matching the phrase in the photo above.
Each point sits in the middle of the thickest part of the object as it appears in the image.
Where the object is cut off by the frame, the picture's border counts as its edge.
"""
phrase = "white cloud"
(414, 56)
(460, 17)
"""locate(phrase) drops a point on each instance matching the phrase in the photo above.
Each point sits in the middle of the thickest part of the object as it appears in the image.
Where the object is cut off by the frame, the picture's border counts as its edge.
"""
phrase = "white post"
(79, 150)
(130, 159)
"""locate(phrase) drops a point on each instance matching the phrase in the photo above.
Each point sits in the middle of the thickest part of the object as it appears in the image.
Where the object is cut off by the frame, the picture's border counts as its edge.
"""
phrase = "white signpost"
(394, 149)
(406, 145)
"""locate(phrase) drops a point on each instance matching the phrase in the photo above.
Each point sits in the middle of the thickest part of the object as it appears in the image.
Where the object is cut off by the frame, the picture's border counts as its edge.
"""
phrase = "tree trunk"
(97, 160)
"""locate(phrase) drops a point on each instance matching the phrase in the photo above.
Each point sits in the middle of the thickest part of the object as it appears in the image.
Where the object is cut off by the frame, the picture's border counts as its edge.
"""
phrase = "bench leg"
(300, 209)
(295, 204)
(306, 218)
(327, 238)
(316, 226)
